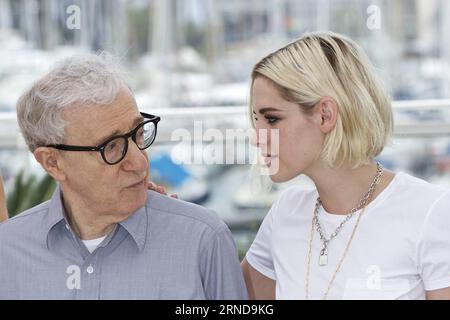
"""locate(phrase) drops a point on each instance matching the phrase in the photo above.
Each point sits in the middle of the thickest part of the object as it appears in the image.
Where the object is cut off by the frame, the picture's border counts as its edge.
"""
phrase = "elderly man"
(103, 235)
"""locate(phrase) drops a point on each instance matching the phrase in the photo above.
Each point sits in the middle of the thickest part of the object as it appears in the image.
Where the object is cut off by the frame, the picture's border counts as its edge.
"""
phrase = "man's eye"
(112, 145)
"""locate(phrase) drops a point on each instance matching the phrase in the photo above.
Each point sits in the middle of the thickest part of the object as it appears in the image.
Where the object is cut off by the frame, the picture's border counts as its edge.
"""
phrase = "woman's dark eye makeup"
(271, 119)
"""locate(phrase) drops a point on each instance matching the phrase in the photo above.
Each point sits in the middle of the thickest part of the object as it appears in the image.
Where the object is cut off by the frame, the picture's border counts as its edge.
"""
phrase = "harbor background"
(189, 61)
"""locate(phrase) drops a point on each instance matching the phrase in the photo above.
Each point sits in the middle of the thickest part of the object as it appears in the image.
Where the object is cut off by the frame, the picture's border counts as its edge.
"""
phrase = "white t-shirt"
(91, 245)
(401, 247)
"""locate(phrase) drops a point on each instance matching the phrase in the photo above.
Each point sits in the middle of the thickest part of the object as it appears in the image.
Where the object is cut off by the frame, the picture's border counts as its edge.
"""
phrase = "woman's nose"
(254, 138)
(260, 137)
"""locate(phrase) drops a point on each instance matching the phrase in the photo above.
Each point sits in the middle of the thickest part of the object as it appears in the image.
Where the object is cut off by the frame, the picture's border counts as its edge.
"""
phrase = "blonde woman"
(364, 232)
(3, 210)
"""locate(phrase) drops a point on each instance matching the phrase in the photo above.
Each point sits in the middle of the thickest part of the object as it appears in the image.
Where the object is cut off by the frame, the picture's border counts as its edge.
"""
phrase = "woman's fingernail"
(161, 190)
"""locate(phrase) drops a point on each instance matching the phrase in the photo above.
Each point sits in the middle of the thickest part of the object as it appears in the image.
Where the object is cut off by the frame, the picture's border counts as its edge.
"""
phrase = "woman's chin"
(278, 178)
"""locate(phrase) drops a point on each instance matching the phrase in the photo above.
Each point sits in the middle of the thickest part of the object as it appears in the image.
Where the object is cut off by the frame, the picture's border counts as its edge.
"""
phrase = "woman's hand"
(159, 189)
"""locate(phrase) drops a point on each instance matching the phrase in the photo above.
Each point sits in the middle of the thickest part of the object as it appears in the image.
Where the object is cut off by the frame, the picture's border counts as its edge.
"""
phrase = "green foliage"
(27, 194)
(244, 237)
(195, 37)
(140, 26)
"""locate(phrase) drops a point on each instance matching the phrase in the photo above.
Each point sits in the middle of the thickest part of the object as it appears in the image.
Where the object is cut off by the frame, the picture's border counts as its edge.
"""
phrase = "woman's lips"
(268, 159)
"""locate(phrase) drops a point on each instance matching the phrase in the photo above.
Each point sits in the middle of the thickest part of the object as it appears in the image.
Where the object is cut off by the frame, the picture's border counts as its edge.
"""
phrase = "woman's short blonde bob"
(325, 64)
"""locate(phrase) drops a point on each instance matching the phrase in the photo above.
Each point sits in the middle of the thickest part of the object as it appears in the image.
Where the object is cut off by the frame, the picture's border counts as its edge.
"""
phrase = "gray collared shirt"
(169, 249)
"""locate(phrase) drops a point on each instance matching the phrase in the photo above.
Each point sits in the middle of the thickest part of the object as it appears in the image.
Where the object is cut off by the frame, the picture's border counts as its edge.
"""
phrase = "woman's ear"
(328, 112)
(51, 162)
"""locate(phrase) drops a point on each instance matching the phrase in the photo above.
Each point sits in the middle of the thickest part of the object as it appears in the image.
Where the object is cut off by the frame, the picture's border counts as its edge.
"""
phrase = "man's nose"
(135, 159)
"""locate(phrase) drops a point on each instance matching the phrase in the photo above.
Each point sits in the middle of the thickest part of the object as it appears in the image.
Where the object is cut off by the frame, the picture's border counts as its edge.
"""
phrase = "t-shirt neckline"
(383, 195)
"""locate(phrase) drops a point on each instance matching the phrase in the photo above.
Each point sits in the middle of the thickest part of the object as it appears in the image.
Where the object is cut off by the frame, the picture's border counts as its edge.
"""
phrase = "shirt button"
(90, 269)
(67, 227)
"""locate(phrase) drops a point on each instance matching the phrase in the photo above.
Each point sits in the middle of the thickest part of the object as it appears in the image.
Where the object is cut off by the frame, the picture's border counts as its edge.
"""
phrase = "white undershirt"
(91, 245)
(401, 247)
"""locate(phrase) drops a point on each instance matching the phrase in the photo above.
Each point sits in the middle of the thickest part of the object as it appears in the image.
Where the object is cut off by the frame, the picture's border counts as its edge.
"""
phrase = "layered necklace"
(323, 256)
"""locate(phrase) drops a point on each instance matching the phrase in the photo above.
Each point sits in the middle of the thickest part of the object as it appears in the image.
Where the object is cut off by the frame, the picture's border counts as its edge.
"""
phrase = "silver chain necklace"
(323, 258)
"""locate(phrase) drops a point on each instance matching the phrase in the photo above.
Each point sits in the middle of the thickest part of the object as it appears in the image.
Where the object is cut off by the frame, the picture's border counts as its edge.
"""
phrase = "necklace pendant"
(323, 258)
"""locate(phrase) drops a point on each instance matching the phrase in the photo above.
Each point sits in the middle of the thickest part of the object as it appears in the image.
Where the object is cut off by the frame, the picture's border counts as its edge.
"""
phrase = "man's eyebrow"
(136, 122)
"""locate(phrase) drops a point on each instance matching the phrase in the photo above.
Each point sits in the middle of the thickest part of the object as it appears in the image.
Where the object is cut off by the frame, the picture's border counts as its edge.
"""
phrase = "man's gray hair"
(80, 80)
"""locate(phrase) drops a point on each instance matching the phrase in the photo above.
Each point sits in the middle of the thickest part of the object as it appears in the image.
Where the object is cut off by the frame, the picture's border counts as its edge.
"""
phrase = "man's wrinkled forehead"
(97, 123)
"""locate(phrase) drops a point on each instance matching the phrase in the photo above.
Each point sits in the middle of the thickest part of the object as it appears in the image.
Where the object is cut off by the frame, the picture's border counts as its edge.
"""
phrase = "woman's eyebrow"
(268, 109)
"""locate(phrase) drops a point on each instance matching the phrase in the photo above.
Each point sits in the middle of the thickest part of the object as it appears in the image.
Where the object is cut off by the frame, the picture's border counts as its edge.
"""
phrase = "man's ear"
(51, 161)
(327, 110)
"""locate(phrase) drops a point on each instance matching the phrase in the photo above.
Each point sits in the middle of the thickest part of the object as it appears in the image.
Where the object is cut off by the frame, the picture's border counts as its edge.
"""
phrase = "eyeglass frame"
(101, 147)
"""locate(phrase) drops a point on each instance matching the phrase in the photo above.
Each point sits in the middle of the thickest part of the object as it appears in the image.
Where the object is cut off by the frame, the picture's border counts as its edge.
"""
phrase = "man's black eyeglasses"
(115, 148)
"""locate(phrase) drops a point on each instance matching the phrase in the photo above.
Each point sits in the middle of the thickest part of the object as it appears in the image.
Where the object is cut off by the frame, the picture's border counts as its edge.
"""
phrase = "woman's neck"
(341, 189)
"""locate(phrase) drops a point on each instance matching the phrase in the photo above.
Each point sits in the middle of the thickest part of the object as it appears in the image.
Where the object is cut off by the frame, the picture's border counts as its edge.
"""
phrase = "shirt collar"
(135, 225)
(55, 214)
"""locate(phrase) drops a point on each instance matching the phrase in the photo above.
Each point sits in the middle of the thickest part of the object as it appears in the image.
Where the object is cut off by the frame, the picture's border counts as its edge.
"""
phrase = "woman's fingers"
(154, 187)
(151, 185)
(159, 189)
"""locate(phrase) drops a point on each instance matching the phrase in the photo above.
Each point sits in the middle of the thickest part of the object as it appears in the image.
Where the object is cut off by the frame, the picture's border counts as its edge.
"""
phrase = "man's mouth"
(137, 184)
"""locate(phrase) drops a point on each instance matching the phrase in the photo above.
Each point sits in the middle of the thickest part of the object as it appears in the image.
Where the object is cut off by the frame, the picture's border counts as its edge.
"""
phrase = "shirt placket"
(90, 277)
(90, 270)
